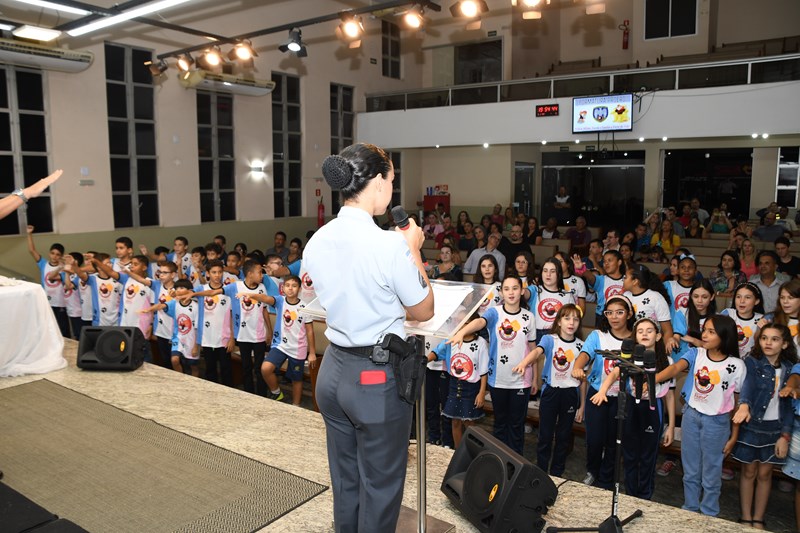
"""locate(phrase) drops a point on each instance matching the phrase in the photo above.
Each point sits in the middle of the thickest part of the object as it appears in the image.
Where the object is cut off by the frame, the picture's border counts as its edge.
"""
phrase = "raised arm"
(529, 359)
(468, 329)
(105, 269)
(31, 246)
(672, 370)
(12, 202)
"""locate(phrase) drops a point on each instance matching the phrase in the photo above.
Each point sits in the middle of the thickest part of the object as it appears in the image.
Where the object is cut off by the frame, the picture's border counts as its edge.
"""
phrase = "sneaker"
(667, 467)
(589, 479)
(277, 397)
(727, 473)
(528, 429)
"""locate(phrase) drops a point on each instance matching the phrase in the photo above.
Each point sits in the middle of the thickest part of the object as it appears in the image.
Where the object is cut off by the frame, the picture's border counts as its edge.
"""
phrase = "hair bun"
(337, 171)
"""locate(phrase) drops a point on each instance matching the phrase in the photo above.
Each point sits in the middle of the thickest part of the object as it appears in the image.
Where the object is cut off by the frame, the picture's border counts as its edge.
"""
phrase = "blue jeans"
(703, 439)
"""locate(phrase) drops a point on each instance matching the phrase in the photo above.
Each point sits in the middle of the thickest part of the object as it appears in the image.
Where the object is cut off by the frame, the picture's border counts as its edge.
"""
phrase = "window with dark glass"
(286, 145)
(215, 154)
(131, 136)
(342, 118)
(669, 18)
(390, 49)
(23, 147)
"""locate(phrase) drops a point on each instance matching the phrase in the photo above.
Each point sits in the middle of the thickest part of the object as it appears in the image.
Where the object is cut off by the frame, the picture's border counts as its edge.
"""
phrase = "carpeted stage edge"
(109, 470)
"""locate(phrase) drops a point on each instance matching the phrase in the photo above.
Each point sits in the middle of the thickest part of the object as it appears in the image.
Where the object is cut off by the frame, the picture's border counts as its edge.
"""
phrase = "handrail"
(584, 75)
(7, 272)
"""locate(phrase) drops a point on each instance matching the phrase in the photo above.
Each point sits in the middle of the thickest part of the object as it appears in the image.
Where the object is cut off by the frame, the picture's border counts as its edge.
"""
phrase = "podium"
(454, 302)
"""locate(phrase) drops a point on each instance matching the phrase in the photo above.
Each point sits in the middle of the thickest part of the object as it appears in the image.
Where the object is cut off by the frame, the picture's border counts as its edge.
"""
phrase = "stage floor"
(278, 434)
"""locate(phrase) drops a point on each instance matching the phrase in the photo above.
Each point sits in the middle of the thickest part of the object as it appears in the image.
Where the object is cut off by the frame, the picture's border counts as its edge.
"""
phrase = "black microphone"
(400, 217)
(638, 379)
(627, 348)
(650, 372)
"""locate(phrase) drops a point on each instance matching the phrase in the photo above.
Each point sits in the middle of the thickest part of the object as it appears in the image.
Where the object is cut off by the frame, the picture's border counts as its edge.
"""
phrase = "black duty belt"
(361, 351)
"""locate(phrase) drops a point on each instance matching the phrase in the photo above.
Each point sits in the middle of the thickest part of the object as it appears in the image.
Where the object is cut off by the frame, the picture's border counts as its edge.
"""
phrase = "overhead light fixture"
(256, 165)
(295, 44)
(36, 33)
(56, 6)
(243, 51)
(185, 62)
(212, 57)
(754, 135)
(413, 17)
(486, 145)
(351, 29)
(532, 14)
(6, 27)
(469, 8)
(664, 139)
(127, 15)
(765, 135)
(595, 8)
(156, 67)
(577, 141)
(641, 139)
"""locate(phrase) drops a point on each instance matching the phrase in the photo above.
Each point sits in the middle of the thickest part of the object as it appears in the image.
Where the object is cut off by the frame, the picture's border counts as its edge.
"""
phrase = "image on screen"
(593, 114)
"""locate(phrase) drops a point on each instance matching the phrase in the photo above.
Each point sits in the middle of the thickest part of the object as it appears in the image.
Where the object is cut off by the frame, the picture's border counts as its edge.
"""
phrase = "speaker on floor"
(111, 348)
(495, 488)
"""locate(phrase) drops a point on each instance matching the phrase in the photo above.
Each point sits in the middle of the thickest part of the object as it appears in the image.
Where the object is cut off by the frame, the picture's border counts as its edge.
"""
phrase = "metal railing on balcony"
(690, 76)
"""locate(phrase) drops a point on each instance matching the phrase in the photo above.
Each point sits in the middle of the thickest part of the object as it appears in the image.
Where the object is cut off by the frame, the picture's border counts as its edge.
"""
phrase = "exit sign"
(547, 110)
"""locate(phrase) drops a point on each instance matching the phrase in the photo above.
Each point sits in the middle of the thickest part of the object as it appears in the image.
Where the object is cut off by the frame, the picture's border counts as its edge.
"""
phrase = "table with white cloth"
(30, 341)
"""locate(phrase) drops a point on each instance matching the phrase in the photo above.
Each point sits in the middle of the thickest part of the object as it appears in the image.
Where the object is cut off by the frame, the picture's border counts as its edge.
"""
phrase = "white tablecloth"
(30, 341)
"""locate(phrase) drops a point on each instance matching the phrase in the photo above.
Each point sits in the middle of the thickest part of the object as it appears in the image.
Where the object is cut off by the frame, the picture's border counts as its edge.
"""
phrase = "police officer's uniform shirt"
(162, 322)
(54, 289)
(289, 335)
(601, 367)
(184, 336)
(352, 252)
(745, 330)
(559, 358)
(509, 335)
(430, 344)
(544, 305)
(679, 295)
(605, 287)
(493, 298)
(307, 292)
(248, 316)
(649, 304)
(135, 296)
(87, 309)
(214, 319)
(184, 264)
(72, 297)
(106, 298)
(467, 362)
(711, 384)
(576, 286)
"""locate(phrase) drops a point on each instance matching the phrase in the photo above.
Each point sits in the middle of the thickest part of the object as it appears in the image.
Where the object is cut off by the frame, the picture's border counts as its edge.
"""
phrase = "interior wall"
(591, 36)
(744, 20)
(474, 175)
(651, 49)
(536, 44)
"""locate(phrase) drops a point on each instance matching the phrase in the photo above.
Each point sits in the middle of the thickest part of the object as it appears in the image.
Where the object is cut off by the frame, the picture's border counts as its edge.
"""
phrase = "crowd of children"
(741, 397)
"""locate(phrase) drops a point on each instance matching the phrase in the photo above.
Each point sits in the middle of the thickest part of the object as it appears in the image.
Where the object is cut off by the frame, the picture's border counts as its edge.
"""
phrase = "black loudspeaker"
(495, 488)
(111, 348)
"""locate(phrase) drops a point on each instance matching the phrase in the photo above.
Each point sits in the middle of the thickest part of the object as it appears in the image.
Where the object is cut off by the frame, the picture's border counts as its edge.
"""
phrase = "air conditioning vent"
(211, 81)
(35, 55)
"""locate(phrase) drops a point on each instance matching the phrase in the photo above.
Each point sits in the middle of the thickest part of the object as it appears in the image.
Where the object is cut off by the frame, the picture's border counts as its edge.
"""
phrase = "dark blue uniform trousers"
(437, 386)
(601, 439)
(367, 428)
(640, 442)
(510, 411)
(557, 408)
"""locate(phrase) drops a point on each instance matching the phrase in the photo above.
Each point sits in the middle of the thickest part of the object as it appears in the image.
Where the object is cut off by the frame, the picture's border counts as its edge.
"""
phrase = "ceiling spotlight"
(664, 139)
(212, 57)
(625, 154)
(156, 67)
(532, 15)
(350, 30)
(36, 33)
(413, 17)
(185, 62)
(486, 145)
(294, 44)
(580, 156)
(595, 8)
(469, 8)
(764, 135)
(544, 142)
(641, 139)
(577, 141)
(754, 135)
(243, 51)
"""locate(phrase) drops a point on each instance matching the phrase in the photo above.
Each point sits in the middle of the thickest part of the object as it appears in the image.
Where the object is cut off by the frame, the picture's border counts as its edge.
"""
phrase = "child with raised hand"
(748, 315)
(600, 420)
(650, 299)
(715, 373)
(792, 466)
(572, 282)
(511, 338)
(644, 422)
(561, 402)
(468, 366)
(489, 274)
(53, 286)
(105, 292)
(765, 419)
(292, 341)
(788, 310)
(548, 296)
(215, 334)
(184, 312)
(604, 285)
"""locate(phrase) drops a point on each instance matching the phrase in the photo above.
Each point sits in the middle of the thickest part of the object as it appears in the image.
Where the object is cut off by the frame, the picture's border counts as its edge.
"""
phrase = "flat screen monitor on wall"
(596, 114)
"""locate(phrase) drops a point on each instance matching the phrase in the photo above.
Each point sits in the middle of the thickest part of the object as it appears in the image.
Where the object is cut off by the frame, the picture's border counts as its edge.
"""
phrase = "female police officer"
(367, 280)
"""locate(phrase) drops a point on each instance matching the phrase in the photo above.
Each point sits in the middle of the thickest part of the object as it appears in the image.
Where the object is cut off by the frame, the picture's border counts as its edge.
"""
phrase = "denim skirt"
(757, 442)
(460, 402)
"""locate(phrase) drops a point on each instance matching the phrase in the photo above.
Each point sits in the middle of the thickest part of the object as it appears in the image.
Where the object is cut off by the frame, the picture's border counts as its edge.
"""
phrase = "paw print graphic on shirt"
(640, 314)
(731, 369)
(525, 331)
(579, 345)
(646, 301)
(491, 371)
(724, 385)
(427, 347)
(525, 317)
(504, 359)
(207, 324)
(473, 347)
(284, 340)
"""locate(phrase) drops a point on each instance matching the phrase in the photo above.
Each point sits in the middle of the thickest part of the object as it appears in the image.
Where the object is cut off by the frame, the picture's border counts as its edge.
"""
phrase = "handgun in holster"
(408, 363)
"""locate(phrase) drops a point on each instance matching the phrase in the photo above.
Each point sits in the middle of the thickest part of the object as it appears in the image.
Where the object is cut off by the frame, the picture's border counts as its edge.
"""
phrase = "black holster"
(408, 363)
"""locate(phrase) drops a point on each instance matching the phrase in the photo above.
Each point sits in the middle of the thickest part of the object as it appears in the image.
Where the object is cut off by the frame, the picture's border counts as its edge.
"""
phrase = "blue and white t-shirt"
(509, 338)
(184, 335)
(214, 319)
(289, 335)
(746, 329)
(468, 362)
(544, 305)
(559, 358)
